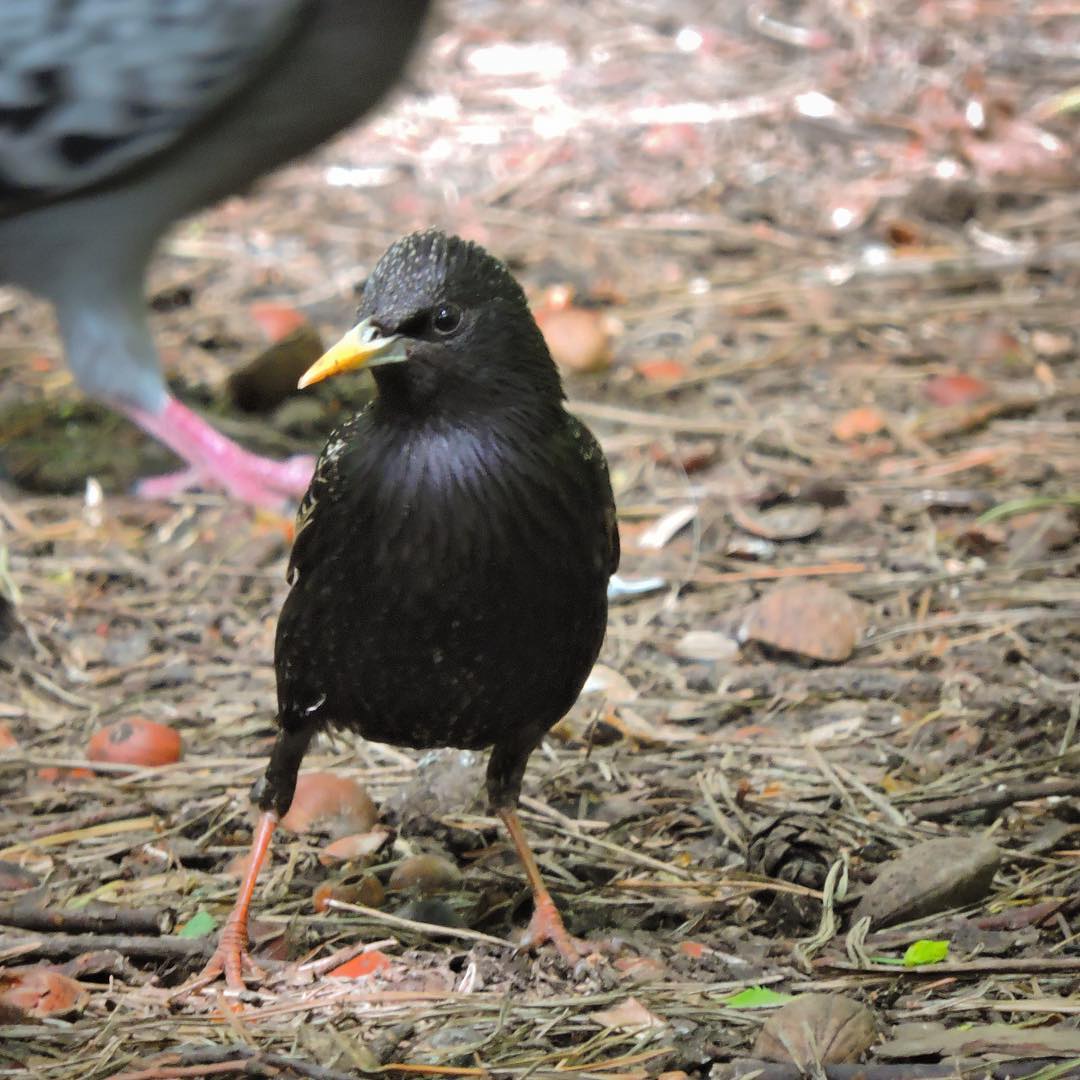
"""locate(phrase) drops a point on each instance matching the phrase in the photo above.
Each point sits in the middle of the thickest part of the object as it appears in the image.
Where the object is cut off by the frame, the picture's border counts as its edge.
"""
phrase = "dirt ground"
(837, 252)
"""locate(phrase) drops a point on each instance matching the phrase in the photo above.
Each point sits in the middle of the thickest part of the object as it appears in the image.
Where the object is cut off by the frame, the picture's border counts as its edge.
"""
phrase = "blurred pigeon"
(117, 117)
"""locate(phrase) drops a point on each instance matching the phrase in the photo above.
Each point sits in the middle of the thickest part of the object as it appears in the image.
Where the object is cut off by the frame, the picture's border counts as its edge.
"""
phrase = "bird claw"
(231, 959)
(545, 926)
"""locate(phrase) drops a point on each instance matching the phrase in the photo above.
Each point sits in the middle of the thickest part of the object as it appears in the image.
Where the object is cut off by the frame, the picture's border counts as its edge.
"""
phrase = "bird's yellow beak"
(363, 345)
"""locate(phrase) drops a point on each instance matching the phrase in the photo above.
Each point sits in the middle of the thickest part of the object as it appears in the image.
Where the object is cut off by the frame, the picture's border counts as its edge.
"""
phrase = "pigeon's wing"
(90, 88)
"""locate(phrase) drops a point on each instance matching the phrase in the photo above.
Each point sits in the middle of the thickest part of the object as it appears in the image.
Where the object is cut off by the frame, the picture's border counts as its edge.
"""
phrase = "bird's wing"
(587, 449)
(90, 88)
(325, 488)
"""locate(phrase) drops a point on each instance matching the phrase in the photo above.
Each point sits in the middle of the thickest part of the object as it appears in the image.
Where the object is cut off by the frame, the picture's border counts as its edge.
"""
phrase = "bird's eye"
(447, 318)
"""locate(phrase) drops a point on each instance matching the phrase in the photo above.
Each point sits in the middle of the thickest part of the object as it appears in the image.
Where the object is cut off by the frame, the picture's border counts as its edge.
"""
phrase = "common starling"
(452, 554)
(117, 119)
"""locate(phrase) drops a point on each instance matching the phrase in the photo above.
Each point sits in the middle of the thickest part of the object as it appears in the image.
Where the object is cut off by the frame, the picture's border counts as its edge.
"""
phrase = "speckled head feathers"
(427, 266)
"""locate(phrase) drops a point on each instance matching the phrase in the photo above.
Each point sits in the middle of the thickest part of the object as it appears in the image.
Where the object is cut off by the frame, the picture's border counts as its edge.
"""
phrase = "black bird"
(117, 120)
(452, 554)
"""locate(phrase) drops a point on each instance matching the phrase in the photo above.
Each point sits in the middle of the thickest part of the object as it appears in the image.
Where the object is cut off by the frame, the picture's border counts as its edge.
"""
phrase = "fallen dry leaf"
(661, 369)
(40, 991)
(426, 874)
(817, 1029)
(923, 1040)
(786, 521)
(325, 799)
(808, 618)
(628, 1015)
(270, 377)
(615, 686)
(706, 645)
(640, 969)
(355, 846)
(367, 892)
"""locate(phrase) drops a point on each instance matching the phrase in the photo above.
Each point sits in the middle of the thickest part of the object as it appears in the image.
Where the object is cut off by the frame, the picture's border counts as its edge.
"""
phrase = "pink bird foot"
(215, 461)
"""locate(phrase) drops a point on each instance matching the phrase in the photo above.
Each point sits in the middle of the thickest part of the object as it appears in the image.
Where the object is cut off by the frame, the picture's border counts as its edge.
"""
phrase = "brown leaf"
(353, 847)
(628, 1015)
(787, 521)
(13, 878)
(368, 892)
(579, 338)
(40, 991)
(640, 969)
(933, 876)
(323, 798)
(270, 377)
(426, 874)
(817, 1029)
(809, 618)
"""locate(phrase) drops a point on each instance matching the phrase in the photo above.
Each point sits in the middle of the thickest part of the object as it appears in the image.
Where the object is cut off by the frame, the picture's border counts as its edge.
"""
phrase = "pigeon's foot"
(215, 461)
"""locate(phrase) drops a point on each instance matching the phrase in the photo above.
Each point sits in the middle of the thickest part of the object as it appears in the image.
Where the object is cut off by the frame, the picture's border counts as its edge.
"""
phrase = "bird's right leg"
(231, 956)
(546, 923)
(273, 794)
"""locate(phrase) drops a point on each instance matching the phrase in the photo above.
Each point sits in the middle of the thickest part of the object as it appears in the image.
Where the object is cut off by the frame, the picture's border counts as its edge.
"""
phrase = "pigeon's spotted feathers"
(88, 89)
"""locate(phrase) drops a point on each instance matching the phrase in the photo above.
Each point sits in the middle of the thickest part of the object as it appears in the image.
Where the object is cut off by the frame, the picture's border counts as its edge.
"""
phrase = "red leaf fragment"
(367, 963)
(858, 423)
(958, 389)
(277, 321)
(40, 991)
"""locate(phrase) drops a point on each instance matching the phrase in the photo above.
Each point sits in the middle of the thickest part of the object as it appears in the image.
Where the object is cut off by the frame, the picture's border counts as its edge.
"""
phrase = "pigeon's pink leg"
(214, 460)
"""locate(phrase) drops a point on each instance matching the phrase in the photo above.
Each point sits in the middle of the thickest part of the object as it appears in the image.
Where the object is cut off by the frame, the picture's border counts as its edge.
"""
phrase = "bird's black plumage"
(452, 556)
(449, 574)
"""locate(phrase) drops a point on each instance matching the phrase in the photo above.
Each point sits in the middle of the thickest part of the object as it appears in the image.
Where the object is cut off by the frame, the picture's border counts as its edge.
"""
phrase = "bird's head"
(444, 326)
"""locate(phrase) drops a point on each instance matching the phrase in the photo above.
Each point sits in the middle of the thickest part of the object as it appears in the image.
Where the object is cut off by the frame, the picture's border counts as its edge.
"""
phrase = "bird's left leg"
(506, 768)
(546, 923)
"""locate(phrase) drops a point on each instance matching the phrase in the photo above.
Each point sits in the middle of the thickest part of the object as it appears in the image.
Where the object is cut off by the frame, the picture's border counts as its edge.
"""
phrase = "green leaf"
(199, 925)
(925, 952)
(757, 997)
(1023, 506)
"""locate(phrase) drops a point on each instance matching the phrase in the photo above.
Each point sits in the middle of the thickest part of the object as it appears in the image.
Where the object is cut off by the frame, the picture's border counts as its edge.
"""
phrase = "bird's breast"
(452, 588)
